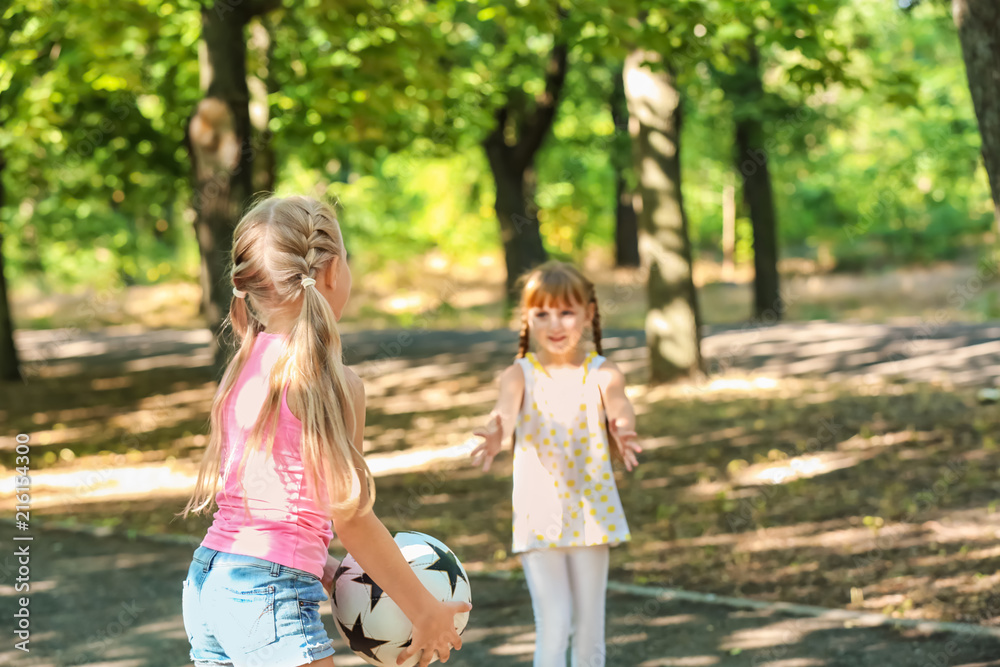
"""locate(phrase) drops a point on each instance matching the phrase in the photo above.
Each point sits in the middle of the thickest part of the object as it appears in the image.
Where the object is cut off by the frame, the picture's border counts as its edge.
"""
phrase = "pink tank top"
(285, 524)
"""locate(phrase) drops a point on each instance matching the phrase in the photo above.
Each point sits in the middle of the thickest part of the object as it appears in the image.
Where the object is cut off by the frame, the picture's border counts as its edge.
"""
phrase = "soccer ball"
(372, 624)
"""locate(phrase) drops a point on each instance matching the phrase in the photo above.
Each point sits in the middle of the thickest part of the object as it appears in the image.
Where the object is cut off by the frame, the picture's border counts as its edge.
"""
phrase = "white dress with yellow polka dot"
(564, 487)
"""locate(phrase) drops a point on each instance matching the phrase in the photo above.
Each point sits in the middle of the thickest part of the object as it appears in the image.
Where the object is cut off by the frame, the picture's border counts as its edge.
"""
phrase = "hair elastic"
(308, 282)
(239, 294)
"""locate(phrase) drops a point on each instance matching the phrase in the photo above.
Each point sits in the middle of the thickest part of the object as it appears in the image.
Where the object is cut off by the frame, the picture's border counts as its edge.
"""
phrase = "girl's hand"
(492, 435)
(626, 442)
(435, 633)
(329, 570)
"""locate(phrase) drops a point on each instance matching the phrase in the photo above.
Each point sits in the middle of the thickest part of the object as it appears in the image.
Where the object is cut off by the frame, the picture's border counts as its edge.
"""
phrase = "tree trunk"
(519, 232)
(261, 84)
(511, 148)
(9, 365)
(672, 323)
(728, 233)
(978, 23)
(626, 222)
(751, 162)
(222, 156)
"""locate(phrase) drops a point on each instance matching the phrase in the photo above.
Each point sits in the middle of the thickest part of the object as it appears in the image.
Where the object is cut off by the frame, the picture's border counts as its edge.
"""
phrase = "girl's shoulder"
(608, 372)
(513, 376)
(355, 385)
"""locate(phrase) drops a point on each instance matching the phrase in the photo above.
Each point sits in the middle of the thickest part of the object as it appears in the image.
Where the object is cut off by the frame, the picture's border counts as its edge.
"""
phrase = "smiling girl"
(561, 404)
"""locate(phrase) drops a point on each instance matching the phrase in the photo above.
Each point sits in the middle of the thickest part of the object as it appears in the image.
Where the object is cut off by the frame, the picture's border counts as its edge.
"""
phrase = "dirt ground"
(112, 602)
(832, 464)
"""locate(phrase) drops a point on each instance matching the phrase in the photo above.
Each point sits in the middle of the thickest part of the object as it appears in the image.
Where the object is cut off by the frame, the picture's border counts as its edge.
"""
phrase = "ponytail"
(314, 361)
(246, 327)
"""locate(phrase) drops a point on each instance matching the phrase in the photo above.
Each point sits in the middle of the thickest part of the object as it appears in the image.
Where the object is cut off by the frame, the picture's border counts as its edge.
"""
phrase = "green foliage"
(872, 142)
(93, 107)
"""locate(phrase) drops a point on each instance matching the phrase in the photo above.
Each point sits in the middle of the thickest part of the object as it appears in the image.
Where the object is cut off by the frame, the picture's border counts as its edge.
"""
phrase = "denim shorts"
(248, 612)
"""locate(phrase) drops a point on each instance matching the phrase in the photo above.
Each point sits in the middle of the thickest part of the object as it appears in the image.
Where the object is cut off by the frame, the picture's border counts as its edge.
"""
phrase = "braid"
(596, 326)
(522, 346)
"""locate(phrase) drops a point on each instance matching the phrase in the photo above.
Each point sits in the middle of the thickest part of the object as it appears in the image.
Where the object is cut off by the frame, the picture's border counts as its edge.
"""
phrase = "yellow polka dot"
(583, 406)
(551, 454)
(598, 486)
(587, 478)
(576, 533)
(604, 539)
(583, 424)
(552, 432)
(571, 483)
(611, 509)
(581, 503)
(540, 538)
(604, 499)
(574, 515)
(557, 482)
(590, 459)
(565, 443)
(570, 464)
(604, 458)
(546, 441)
(593, 512)
(528, 437)
(534, 405)
(584, 440)
(607, 475)
(586, 492)
(552, 544)
(612, 528)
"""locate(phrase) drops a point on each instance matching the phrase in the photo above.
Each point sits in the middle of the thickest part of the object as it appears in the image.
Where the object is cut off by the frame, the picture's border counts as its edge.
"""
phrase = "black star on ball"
(340, 570)
(447, 562)
(375, 592)
(359, 641)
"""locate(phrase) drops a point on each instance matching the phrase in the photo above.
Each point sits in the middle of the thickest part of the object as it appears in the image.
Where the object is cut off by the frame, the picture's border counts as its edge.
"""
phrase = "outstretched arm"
(503, 418)
(366, 538)
(621, 414)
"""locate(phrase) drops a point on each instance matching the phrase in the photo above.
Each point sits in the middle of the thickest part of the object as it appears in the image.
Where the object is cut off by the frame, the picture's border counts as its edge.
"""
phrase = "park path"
(961, 354)
(112, 602)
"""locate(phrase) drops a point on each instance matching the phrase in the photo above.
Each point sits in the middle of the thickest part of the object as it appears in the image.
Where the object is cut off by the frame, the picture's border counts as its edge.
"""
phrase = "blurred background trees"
(841, 133)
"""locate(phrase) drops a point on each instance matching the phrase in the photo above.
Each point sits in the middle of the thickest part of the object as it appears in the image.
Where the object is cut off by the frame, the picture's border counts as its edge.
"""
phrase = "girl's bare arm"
(503, 417)
(366, 538)
(621, 414)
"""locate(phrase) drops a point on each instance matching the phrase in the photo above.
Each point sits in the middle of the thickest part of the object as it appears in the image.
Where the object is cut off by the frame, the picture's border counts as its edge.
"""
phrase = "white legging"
(568, 589)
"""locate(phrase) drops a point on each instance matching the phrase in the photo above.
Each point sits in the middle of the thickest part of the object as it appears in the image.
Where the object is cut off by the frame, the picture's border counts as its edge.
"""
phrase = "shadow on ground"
(113, 602)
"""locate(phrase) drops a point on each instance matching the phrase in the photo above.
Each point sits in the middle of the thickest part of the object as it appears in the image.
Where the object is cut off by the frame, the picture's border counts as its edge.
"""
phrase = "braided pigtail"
(522, 345)
(595, 326)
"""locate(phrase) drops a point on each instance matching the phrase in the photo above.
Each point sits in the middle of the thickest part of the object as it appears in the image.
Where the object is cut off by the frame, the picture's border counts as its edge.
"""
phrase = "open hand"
(626, 442)
(492, 435)
(435, 633)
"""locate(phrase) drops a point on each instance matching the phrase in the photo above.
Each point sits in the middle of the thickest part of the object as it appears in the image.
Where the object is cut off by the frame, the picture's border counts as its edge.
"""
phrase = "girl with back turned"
(286, 445)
